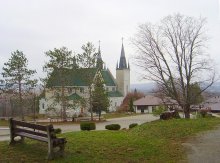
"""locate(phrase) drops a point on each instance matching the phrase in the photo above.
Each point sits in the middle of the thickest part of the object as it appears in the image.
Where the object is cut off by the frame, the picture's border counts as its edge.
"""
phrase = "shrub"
(87, 126)
(133, 125)
(203, 113)
(159, 110)
(57, 130)
(169, 114)
(113, 127)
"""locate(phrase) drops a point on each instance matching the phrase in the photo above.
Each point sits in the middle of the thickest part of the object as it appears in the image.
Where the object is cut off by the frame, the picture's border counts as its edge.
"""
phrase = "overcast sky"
(36, 26)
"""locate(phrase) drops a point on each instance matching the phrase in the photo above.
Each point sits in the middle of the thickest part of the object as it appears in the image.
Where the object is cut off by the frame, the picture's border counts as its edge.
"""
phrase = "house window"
(43, 106)
(115, 103)
(113, 89)
(107, 89)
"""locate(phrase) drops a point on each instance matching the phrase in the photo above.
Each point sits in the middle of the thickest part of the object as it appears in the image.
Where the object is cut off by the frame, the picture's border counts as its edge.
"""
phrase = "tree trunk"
(63, 103)
(99, 114)
(90, 102)
(187, 111)
(20, 101)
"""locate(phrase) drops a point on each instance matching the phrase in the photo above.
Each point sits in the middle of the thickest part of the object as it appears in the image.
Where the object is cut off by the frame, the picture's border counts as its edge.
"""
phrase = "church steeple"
(123, 73)
(74, 62)
(99, 62)
(122, 62)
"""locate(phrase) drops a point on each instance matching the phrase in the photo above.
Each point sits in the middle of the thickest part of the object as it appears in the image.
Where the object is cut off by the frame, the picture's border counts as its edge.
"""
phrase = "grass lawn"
(158, 141)
(3, 123)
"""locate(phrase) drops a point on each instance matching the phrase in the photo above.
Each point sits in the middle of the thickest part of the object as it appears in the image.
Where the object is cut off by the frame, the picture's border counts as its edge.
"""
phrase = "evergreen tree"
(100, 100)
(18, 76)
(58, 64)
(87, 59)
(131, 105)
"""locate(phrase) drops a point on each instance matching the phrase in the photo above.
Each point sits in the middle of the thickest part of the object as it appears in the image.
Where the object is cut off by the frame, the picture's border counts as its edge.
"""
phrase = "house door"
(142, 109)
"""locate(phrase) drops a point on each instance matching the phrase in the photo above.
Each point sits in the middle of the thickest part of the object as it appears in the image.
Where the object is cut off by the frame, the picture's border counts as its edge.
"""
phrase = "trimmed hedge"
(133, 125)
(113, 127)
(169, 115)
(57, 130)
(87, 126)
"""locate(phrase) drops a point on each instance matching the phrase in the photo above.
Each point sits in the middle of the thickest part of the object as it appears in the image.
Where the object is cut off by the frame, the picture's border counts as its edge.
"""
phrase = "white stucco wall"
(123, 81)
(115, 102)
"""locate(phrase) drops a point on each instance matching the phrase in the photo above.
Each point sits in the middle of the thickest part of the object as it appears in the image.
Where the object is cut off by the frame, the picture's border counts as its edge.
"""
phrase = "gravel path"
(124, 122)
(204, 148)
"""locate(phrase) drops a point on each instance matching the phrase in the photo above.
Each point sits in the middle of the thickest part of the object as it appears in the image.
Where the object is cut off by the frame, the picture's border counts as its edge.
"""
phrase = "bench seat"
(31, 136)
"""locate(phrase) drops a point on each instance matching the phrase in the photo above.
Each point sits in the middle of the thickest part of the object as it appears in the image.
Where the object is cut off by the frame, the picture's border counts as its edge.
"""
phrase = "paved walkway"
(204, 148)
(124, 122)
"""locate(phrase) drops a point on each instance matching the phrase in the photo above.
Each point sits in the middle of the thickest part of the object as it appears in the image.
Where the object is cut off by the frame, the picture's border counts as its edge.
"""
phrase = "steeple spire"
(99, 62)
(122, 62)
(74, 62)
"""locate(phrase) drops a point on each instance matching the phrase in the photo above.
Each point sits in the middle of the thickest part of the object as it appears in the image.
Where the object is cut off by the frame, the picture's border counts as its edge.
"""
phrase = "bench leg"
(12, 140)
(61, 150)
(50, 156)
(50, 152)
(21, 140)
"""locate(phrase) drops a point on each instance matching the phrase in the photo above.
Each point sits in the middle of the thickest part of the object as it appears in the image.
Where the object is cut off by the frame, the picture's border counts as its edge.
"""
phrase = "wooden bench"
(37, 132)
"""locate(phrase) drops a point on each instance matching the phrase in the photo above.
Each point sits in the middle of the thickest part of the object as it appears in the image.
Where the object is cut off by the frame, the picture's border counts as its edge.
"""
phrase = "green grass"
(3, 123)
(158, 141)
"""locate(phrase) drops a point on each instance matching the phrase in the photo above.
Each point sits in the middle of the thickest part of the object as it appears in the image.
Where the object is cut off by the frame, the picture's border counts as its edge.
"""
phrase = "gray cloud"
(39, 25)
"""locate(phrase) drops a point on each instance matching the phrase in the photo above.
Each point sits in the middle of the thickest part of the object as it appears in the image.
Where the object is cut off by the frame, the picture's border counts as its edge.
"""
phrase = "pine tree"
(100, 100)
(18, 76)
(87, 59)
(59, 64)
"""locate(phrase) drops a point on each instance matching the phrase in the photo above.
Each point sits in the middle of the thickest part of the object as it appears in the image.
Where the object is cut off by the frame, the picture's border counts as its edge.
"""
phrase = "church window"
(56, 94)
(81, 90)
(69, 90)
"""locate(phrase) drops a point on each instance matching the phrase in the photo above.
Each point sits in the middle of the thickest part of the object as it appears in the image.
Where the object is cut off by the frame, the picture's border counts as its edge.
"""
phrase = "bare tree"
(173, 54)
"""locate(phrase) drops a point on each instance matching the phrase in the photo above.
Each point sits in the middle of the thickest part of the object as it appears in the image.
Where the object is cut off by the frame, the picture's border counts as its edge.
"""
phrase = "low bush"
(133, 125)
(87, 126)
(113, 127)
(159, 110)
(169, 114)
(203, 113)
(57, 130)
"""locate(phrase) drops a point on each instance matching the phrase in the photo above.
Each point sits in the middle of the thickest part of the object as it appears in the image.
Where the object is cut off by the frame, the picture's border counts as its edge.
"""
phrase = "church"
(117, 88)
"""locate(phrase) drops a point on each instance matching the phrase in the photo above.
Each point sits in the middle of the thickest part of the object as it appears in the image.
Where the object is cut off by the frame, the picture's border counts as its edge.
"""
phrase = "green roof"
(74, 96)
(115, 94)
(108, 78)
(79, 77)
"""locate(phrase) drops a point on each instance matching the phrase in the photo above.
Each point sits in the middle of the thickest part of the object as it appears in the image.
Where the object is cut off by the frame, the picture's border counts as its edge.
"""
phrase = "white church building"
(77, 87)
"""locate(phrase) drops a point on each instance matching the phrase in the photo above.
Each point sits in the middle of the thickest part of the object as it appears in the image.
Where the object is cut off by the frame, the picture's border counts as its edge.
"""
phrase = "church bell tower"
(123, 73)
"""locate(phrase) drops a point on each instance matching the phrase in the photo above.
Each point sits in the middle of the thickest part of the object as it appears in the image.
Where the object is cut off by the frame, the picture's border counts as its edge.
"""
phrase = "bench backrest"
(39, 130)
